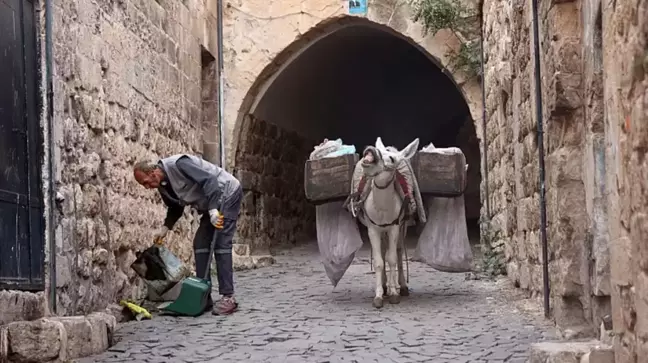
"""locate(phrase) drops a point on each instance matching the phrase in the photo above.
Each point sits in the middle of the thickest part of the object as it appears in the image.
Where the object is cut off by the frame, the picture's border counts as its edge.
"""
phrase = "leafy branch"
(462, 21)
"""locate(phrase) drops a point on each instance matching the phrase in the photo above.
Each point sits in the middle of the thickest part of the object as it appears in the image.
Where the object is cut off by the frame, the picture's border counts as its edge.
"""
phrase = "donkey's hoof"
(394, 299)
(404, 291)
(377, 302)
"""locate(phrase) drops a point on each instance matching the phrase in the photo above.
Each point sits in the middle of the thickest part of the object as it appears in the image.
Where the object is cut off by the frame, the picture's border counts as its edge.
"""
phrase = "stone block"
(560, 352)
(242, 263)
(599, 354)
(564, 93)
(241, 249)
(528, 214)
(36, 341)
(263, 261)
(79, 335)
(19, 305)
(103, 330)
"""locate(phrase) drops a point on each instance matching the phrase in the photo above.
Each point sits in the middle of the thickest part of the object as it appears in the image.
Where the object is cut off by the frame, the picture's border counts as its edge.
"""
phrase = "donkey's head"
(381, 162)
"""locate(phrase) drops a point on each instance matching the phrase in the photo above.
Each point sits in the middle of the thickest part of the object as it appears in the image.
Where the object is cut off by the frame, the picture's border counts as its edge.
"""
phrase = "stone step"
(56, 339)
(591, 351)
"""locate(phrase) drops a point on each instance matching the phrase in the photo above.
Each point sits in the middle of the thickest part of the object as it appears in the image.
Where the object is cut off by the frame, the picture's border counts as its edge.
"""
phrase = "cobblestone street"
(289, 313)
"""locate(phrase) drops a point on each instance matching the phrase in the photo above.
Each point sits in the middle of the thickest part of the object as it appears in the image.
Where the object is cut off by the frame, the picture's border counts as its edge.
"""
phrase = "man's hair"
(146, 166)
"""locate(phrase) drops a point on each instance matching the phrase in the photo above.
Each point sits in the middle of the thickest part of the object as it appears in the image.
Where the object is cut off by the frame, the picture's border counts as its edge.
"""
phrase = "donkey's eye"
(392, 159)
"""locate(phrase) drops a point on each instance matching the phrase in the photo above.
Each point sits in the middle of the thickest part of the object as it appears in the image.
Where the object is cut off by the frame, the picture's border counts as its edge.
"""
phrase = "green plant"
(493, 261)
(463, 21)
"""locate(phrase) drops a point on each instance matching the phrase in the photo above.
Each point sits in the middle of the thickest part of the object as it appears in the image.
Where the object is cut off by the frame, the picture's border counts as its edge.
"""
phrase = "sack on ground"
(160, 269)
(338, 239)
(443, 243)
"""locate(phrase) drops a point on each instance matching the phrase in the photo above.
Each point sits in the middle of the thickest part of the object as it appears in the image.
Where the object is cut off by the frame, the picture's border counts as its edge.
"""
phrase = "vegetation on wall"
(493, 260)
(463, 21)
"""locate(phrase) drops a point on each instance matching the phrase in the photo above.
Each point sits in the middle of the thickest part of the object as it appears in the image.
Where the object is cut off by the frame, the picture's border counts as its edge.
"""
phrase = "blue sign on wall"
(357, 6)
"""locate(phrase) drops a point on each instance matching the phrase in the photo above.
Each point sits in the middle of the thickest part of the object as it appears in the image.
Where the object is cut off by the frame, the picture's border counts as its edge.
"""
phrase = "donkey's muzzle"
(370, 155)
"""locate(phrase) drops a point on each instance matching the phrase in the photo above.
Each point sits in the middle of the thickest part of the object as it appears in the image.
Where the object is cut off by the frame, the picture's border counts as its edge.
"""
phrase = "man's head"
(148, 174)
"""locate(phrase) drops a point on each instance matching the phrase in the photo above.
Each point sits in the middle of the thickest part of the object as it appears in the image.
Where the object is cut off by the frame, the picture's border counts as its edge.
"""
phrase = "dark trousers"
(223, 249)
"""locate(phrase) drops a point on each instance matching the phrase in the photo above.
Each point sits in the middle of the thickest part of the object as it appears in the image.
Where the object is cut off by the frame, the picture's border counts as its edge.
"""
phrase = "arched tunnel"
(357, 83)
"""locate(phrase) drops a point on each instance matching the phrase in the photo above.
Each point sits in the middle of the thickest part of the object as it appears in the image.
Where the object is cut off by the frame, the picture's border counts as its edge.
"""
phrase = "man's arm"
(205, 179)
(174, 212)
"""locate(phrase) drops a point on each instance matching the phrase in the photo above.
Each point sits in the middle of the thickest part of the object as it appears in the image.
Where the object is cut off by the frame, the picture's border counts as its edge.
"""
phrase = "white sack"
(443, 243)
(338, 239)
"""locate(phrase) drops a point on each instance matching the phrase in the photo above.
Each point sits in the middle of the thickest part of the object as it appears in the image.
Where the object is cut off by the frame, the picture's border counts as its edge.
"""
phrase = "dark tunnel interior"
(361, 82)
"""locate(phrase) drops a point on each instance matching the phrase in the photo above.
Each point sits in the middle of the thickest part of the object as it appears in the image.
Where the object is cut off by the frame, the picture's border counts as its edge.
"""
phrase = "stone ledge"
(20, 305)
(242, 263)
(56, 339)
(591, 351)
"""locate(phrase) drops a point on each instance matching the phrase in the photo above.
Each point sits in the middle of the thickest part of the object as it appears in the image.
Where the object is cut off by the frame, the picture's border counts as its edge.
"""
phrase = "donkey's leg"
(402, 281)
(393, 288)
(404, 290)
(379, 265)
(383, 250)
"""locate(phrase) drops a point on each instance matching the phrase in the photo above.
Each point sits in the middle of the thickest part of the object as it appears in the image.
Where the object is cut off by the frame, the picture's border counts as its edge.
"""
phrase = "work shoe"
(225, 306)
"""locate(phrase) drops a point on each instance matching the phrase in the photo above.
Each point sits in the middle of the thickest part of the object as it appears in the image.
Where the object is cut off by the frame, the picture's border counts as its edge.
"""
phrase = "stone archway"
(274, 207)
(262, 38)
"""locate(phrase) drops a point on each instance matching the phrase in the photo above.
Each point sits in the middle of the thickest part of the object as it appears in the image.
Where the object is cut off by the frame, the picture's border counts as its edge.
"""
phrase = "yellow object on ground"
(139, 311)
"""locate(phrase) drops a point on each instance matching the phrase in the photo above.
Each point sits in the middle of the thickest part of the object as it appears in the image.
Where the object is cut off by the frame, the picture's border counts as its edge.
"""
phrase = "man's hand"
(216, 218)
(159, 236)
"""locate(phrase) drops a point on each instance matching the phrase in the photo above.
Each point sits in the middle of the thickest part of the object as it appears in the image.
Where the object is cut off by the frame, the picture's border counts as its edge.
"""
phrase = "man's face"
(150, 180)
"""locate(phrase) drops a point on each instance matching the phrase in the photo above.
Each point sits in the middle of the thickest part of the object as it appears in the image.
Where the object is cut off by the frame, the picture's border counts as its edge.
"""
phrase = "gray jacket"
(196, 182)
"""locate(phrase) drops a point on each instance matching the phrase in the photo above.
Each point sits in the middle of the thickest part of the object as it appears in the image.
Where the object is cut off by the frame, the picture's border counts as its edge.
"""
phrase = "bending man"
(188, 180)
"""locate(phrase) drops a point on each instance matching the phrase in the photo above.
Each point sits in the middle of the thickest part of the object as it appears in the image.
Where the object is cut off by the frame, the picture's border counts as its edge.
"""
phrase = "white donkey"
(383, 212)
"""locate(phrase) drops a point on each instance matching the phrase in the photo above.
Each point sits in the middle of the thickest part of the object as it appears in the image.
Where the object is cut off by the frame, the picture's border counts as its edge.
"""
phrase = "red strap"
(403, 183)
(361, 185)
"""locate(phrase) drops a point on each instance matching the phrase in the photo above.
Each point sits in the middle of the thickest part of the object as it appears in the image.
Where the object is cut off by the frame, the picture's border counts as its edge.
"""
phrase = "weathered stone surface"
(560, 352)
(36, 341)
(18, 305)
(599, 354)
(572, 91)
(625, 44)
(79, 335)
(131, 81)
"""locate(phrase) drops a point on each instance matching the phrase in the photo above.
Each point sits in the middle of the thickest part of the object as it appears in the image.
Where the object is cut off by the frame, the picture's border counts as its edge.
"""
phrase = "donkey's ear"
(409, 151)
(379, 143)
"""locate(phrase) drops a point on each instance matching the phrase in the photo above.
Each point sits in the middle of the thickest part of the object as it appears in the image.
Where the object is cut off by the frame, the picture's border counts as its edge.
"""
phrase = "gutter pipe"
(50, 139)
(221, 82)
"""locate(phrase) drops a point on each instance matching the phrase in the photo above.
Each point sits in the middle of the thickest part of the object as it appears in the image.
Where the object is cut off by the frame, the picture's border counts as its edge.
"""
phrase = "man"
(216, 194)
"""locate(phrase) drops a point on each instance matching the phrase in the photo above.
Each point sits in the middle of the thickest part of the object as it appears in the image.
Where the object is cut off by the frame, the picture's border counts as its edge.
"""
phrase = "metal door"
(21, 202)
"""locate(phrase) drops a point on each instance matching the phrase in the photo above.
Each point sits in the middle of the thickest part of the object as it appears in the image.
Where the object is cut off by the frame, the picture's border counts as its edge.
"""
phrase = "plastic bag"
(331, 149)
(429, 148)
(338, 239)
(442, 150)
(443, 243)
(160, 269)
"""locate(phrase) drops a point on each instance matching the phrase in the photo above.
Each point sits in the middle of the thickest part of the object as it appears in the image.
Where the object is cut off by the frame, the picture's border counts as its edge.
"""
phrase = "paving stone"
(290, 313)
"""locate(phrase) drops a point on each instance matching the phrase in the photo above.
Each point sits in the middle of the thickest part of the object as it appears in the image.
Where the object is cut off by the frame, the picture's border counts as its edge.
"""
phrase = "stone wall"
(270, 164)
(575, 217)
(625, 60)
(468, 141)
(127, 86)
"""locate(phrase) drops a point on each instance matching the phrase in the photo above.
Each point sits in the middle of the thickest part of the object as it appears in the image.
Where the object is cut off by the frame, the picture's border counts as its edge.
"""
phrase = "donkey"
(383, 213)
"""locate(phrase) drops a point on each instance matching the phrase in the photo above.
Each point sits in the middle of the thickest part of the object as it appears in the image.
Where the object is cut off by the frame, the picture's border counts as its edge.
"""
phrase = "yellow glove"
(139, 311)
(216, 218)
(159, 236)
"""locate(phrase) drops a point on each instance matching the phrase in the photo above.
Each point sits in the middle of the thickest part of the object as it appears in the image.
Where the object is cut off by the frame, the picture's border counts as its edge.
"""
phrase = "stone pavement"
(290, 313)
